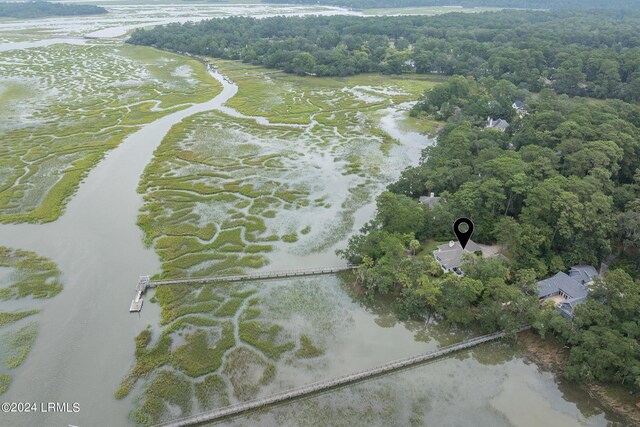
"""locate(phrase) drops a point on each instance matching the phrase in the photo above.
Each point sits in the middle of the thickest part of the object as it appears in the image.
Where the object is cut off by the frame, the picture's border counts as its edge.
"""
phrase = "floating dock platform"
(136, 305)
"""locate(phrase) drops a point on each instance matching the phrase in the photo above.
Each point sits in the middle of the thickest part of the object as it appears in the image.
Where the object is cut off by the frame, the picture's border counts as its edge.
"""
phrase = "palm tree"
(414, 245)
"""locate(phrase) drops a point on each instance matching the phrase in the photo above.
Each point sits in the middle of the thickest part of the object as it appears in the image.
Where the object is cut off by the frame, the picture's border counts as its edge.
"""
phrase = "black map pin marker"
(463, 236)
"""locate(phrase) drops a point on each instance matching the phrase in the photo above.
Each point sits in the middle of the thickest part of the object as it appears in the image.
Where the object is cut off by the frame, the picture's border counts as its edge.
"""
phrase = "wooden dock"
(145, 282)
(322, 386)
(136, 303)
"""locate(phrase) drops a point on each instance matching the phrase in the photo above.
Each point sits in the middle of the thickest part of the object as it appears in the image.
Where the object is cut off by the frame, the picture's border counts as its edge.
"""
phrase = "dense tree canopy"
(560, 187)
(594, 53)
(560, 184)
(38, 9)
(533, 4)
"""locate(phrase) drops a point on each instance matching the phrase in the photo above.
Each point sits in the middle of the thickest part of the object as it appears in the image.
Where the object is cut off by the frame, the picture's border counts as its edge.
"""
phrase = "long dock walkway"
(255, 276)
(145, 282)
(322, 386)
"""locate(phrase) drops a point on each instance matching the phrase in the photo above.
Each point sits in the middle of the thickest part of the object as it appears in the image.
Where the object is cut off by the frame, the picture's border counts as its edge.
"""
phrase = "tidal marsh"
(214, 336)
(281, 170)
(59, 125)
(27, 278)
(301, 151)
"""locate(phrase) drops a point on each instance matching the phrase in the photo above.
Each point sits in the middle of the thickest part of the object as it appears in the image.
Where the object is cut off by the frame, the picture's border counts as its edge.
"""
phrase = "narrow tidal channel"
(86, 340)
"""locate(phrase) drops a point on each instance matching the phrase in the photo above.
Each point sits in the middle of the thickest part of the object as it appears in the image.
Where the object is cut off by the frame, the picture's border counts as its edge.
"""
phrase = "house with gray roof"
(449, 255)
(499, 124)
(568, 290)
(561, 284)
(519, 106)
(566, 308)
(429, 200)
(584, 274)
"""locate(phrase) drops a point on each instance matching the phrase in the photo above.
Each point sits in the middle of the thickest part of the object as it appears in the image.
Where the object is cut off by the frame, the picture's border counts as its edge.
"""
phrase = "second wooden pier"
(145, 282)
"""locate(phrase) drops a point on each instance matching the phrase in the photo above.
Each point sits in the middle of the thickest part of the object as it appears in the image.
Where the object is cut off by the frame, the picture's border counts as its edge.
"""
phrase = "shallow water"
(85, 345)
(493, 385)
(40, 43)
(86, 339)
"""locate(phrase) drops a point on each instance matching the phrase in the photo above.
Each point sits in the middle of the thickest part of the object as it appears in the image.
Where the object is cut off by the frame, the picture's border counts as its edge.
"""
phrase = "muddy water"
(86, 336)
(40, 43)
(85, 345)
(122, 18)
(491, 385)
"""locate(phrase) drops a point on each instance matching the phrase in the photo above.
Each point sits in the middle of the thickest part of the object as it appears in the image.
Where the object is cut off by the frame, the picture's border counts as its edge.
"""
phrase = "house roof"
(584, 273)
(561, 282)
(497, 124)
(429, 200)
(518, 104)
(566, 308)
(573, 302)
(450, 254)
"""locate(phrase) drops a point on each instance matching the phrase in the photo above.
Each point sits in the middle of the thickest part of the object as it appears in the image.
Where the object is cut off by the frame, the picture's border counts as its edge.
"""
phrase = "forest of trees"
(560, 187)
(39, 9)
(594, 54)
(527, 4)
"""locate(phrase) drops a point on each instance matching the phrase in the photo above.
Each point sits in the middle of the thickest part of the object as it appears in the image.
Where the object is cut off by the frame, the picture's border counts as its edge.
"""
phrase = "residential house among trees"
(499, 124)
(429, 200)
(568, 290)
(449, 255)
(519, 107)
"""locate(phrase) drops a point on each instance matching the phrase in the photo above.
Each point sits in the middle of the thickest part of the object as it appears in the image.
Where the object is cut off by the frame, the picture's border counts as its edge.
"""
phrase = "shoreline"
(549, 355)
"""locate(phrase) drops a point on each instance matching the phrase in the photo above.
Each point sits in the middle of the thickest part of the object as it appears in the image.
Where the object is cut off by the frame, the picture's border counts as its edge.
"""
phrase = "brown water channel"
(86, 335)
(85, 344)
(491, 385)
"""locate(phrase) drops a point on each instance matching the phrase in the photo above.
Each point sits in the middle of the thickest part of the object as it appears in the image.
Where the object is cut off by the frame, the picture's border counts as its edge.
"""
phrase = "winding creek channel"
(85, 344)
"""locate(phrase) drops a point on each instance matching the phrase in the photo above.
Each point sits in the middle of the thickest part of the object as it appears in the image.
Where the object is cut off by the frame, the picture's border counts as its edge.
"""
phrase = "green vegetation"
(221, 191)
(290, 238)
(603, 335)
(533, 4)
(31, 275)
(197, 357)
(25, 274)
(425, 10)
(215, 191)
(147, 359)
(167, 387)
(307, 350)
(560, 187)
(198, 340)
(247, 371)
(529, 48)
(59, 128)
(230, 307)
(212, 392)
(264, 338)
(9, 318)
(5, 380)
(39, 9)
(17, 345)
